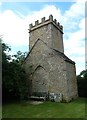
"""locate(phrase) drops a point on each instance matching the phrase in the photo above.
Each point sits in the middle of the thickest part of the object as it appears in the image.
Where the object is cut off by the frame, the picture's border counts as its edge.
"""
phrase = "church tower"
(48, 30)
(50, 72)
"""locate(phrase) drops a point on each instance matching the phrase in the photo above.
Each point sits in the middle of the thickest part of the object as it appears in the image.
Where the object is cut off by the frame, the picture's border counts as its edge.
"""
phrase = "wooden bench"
(37, 98)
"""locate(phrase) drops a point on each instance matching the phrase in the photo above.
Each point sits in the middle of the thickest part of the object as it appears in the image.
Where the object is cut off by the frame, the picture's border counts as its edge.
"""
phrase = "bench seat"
(37, 98)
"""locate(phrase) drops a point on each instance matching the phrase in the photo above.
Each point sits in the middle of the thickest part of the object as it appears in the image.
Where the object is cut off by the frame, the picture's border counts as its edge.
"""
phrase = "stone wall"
(50, 72)
(39, 72)
(57, 39)
(71, 81)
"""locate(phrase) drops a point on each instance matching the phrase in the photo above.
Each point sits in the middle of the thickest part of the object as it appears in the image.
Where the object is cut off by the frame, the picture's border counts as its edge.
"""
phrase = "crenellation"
(61, 27)
(51, 18)
(36, 22)
(44, 22)
(58, 24)
(30, 25)
(55, 21)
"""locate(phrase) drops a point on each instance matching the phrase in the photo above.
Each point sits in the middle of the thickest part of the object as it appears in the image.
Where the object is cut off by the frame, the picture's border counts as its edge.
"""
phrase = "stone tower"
(50, 72)
(49, 31)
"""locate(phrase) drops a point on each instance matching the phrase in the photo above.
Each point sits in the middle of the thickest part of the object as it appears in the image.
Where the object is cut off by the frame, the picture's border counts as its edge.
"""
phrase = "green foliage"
(82, 83)
(14, 82)
(19, 57)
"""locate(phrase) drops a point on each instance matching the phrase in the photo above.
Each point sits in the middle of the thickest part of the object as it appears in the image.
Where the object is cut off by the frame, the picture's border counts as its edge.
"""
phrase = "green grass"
(74, 109)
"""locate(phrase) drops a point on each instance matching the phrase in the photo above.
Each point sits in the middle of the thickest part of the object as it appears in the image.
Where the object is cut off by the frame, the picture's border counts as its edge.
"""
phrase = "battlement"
(45, 22)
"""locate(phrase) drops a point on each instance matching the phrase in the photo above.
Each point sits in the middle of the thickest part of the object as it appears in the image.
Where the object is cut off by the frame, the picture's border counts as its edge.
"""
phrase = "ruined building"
(49, 70)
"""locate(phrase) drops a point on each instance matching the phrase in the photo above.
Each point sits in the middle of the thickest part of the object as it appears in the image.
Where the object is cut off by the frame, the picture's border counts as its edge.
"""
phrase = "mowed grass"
(74, 109)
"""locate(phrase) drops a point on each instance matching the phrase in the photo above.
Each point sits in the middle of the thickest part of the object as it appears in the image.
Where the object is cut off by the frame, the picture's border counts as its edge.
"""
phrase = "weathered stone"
(48, 69)
(57, 97)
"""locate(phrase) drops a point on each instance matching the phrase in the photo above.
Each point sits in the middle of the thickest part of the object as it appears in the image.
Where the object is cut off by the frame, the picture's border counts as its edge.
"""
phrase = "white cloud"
(46, 11)
(0, 3)
(76, 10)
(74, 38)
(73, 16)
(14, 27)
(75, 43)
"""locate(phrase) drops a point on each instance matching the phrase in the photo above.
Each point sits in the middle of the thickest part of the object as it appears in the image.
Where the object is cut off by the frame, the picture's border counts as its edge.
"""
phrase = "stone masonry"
(48, 69)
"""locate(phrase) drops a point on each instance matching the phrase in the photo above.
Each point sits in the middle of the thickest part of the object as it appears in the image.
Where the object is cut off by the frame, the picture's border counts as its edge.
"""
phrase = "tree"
(6, 80)
(82, 83)
(14, 82)
(19, 57)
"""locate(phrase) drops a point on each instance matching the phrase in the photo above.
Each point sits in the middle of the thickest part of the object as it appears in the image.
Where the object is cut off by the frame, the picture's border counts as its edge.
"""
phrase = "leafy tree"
(14, 82)
(82, 83)
(19, 57)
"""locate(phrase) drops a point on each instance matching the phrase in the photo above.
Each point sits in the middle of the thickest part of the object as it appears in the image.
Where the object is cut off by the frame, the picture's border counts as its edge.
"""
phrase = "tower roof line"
(58, 52)
(45, 22)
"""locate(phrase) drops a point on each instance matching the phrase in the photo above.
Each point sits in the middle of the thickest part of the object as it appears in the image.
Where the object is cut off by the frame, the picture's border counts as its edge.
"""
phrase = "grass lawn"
(74, 109)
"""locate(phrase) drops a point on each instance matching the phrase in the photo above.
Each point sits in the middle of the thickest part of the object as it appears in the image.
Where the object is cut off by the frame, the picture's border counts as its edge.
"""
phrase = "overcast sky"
(15, 18)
